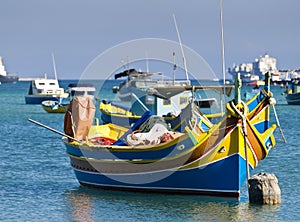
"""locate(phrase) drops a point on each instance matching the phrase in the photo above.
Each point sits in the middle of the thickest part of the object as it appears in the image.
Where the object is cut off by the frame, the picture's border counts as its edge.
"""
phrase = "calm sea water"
(38, 184)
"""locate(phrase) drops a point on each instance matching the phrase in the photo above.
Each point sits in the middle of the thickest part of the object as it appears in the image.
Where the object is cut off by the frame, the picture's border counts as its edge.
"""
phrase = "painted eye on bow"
(222, 150)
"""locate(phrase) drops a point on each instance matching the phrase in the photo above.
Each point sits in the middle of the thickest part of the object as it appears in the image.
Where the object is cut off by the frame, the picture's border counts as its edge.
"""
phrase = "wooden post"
(267, 81)
(237, 88)
(264, 189)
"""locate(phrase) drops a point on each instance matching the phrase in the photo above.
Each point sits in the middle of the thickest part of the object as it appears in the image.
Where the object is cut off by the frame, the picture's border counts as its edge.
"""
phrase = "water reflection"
(81, 206)
(100, 205)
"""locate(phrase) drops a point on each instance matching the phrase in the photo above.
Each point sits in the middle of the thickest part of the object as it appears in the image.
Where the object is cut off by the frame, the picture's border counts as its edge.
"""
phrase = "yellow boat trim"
(125, 148)
(224, 149)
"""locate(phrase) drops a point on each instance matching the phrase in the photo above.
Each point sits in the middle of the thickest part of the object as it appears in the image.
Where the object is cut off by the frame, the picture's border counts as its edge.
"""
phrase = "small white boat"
(45, 89)
(74, 89)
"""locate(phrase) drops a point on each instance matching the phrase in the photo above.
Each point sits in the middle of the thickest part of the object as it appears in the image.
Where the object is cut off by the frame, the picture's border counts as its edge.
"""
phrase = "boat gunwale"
(125, 148)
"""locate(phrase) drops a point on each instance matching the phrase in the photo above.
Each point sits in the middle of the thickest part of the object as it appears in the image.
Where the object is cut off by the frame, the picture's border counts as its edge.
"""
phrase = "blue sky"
(77, 31)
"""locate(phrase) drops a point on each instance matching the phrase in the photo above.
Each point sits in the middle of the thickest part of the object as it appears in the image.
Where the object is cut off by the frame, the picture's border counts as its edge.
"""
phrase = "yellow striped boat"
(211, 160)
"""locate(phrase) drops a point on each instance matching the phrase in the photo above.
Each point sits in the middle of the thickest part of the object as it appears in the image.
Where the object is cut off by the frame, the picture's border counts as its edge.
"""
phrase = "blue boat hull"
(293, 99)
(222, 178)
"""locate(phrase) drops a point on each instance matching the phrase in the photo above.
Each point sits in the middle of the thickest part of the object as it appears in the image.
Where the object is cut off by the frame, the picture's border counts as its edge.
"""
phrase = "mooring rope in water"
(273, 103)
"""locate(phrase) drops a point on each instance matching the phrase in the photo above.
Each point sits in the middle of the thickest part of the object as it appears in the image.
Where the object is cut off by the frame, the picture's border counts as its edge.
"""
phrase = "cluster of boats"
(52, 97)
(291, 94)
(188, 152)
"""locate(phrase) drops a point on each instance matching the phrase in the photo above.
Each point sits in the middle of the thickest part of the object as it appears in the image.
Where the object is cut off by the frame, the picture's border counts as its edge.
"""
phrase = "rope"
(273, 103)
(244, 131)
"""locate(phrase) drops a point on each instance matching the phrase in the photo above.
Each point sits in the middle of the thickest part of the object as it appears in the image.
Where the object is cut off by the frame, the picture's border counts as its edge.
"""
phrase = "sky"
(78, 31)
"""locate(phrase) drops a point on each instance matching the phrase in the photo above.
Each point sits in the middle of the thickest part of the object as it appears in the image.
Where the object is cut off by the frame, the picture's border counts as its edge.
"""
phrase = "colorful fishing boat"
(211, 160)
(292, 95)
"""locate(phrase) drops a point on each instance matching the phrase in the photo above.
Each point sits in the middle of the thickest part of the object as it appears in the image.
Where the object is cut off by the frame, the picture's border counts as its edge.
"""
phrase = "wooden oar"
(53, 130)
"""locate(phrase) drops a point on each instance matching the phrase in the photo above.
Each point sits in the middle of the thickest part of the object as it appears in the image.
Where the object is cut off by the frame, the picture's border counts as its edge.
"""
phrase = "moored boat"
(51, 106)
(45, 89)
(214, 161)
(292, 95)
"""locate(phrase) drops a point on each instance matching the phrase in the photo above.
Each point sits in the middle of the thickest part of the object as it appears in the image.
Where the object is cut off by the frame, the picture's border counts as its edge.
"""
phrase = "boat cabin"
(45, 89)
(45, 86)
(163, 101)
(295, 86)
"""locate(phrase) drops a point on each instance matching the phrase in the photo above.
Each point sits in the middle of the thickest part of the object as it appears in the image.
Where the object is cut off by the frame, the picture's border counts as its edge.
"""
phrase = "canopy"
(134, 73)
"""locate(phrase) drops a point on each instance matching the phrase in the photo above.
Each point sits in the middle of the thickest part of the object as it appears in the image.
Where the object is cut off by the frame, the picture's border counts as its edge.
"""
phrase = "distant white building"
(256, 70)
(265, 64)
